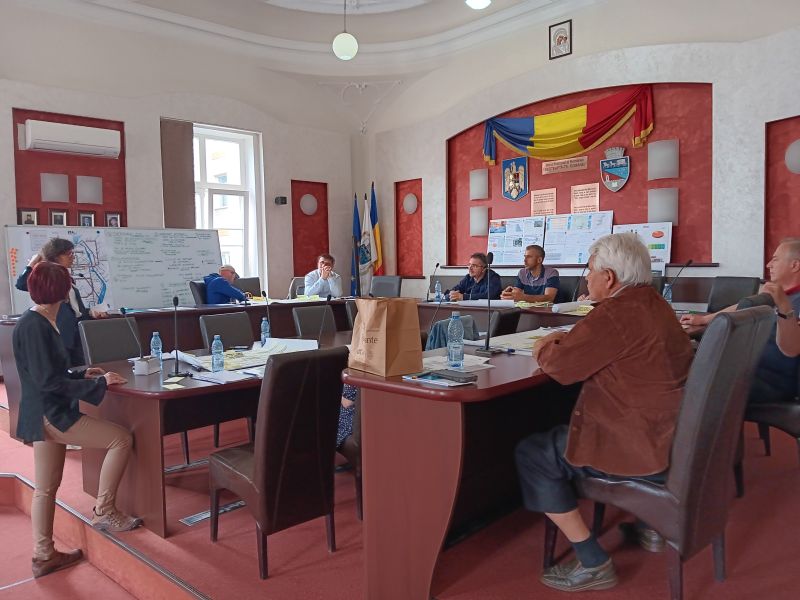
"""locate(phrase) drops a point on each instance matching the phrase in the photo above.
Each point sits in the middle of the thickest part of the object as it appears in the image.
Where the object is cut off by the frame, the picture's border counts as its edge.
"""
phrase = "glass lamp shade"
(478, 4)
(345, 46)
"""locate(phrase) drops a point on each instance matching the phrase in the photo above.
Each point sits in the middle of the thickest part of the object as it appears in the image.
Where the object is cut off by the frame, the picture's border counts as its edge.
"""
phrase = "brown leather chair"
(691, 508)
(286, 476)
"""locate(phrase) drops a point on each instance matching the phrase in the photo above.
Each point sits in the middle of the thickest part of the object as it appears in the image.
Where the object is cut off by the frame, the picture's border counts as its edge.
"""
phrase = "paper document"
(566, 307)
(522, 341)
(432, 363)
(434, 380)
(494, 304)
(189, 359)
(221, 376)
(172, 386)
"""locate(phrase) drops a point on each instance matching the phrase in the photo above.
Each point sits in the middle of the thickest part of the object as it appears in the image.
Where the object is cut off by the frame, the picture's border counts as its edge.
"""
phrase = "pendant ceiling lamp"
(345, 45)
(478, 4)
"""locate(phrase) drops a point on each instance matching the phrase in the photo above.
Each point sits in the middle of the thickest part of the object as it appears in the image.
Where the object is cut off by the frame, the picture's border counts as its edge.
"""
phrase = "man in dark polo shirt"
(535, 283)
(633, 359)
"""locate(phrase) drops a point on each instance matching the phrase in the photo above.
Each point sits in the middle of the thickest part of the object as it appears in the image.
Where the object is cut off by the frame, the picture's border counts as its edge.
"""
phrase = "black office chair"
(352, 311)
(310, 320)
(727, 291)
(233, 328)
(10, 374)
(198, 289)
(249, 284)
(386, 286)
(503, 322)
(104, 340)
(297, 287)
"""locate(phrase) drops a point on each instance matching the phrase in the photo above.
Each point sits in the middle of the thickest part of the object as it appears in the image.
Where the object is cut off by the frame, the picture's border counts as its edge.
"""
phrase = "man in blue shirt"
(480, 283)
(323, 280)
(219, 287)
(535, 283)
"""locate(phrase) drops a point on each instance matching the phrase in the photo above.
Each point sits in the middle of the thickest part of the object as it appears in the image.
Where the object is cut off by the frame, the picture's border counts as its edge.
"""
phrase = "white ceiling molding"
(356, 7)
(316, 57)
(362, 98)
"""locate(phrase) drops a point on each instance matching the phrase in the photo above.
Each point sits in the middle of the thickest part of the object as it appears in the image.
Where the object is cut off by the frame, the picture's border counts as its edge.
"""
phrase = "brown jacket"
(634, 359)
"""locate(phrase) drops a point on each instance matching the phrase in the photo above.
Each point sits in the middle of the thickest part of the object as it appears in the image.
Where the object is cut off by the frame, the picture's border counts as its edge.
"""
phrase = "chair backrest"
(727, 291)
(10, 374)
(295, 438)
(297, 287)
(386, 286)
(352, 310)
(198, 289)
(249, 284)
(109, 339)
(234, 328)
(756, 300)
(503, 322)
(709, 423)
(310, 320)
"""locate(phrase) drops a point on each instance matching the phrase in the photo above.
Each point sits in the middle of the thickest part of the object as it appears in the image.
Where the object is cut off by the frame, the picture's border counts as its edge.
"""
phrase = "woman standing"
(62, 252)
(49, 417)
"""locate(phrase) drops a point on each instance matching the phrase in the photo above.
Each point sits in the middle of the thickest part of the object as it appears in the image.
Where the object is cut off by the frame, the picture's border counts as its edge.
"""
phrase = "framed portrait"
(58, 217)
(560, 39)
(113, 219)
(28, 216)
(86, 219)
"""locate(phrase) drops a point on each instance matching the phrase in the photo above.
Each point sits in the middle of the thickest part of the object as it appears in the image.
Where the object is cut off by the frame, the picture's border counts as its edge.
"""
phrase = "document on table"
(221, 376)
(172, 386)
(522, 341)
(432, 363)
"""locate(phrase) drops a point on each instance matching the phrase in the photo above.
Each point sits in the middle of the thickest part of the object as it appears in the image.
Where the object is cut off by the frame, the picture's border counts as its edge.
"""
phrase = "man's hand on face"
(325, 271)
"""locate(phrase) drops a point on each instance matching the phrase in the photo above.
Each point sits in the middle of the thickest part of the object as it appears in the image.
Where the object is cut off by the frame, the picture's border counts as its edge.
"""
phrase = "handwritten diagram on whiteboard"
(568, 237)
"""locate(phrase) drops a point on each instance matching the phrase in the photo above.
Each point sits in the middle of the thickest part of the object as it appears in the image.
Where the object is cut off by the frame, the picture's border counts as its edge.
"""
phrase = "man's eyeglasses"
(476, 266)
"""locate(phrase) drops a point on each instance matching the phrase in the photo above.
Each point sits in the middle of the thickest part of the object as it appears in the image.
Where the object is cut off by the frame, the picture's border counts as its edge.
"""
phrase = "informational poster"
(658, 239)
(509, 237)
(585, 198)
(543, 202)
(568, 237)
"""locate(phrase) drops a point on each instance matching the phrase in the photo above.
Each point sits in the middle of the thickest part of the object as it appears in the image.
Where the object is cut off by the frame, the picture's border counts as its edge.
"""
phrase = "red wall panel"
(309, 232)
(408, 229)
(682, 111)
(29, 164)
(783, 187)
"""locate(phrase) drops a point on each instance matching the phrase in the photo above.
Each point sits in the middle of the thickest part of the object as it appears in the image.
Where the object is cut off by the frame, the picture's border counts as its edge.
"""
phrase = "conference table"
(428, 452)
(149, 411)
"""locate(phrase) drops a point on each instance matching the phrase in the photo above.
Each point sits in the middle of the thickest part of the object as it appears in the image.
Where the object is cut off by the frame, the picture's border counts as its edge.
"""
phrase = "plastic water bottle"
(217, 355)
(155, 348)
(438, 291)
(455, 341)
(265, 333)
(667, 292)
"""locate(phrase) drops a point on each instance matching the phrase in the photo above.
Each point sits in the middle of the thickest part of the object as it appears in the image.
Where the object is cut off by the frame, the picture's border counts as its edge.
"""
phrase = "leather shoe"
(59, 560)
(638, 533)
(574, 577)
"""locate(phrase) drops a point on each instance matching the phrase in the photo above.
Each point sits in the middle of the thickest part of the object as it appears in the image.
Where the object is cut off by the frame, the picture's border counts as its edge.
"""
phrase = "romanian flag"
(377, 259)
(573, 131)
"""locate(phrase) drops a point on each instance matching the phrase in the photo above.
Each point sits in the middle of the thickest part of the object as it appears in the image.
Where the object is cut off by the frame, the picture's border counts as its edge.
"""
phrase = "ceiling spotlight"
(478, 4)
(345, 45)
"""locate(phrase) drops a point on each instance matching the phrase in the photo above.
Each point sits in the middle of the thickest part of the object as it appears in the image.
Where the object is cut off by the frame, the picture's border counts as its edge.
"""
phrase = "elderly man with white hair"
(633, 358)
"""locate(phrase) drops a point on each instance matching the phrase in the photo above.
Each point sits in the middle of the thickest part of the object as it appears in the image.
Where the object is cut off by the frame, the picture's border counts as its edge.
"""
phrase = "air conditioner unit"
(71, 139)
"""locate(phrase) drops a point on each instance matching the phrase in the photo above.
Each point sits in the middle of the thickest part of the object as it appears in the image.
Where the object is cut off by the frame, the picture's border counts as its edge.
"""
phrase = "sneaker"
(574, 577)
(115, 521)
(59, 560)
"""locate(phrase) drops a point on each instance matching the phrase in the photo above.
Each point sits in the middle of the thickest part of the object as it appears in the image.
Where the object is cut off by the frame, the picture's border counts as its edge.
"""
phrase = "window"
(225, 193)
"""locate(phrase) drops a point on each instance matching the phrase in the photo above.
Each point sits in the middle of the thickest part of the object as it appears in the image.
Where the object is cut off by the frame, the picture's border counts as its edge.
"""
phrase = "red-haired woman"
(49, 417)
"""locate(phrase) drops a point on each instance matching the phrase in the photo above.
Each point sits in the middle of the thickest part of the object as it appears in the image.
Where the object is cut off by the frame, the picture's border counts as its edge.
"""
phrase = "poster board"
(509, 237)
(568, 237)
(114, 267)
(658, 239)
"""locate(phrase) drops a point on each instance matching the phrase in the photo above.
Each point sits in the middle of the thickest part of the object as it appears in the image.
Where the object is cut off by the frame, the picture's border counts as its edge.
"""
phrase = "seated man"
(633, 358)
(219, 287)
(479, 283)
(775, 379)
(323, 280)
(535, 283)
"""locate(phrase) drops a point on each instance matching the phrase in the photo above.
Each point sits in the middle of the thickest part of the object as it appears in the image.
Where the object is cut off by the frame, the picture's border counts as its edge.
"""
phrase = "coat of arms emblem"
(515, 178)
(615, 168)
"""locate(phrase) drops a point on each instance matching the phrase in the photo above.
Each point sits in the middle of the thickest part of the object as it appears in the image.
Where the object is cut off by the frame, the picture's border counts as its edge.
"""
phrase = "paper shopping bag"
(386, 339)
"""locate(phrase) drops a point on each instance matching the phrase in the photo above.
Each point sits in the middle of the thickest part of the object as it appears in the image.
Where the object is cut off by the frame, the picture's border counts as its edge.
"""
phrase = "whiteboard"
(114, 267)
(568, 237)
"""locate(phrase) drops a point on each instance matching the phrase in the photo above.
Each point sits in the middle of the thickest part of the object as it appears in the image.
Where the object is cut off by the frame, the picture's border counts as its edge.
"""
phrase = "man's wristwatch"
(788, 315)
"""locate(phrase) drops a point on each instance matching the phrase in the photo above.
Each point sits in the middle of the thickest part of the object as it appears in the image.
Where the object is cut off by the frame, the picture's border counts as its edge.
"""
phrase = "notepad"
(173, 386)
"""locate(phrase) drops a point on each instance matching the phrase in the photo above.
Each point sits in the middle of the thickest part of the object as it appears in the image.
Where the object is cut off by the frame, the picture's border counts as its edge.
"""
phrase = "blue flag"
(354, 272)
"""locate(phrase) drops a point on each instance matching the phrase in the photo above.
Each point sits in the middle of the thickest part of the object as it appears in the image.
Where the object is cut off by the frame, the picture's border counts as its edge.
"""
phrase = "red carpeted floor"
(502, 561)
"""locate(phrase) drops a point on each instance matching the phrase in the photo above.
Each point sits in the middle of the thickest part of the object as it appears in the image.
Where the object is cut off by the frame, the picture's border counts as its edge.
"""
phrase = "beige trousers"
(48, 458)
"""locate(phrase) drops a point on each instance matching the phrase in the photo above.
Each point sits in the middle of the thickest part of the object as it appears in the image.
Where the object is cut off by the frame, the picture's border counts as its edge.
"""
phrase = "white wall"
(753, 83)
(290, 152)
